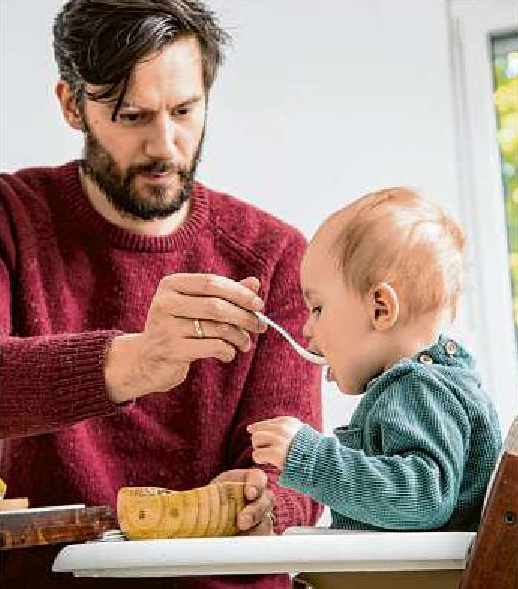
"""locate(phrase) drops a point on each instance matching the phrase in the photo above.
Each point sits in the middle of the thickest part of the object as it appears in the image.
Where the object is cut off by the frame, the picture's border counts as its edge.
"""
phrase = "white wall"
(319, 101)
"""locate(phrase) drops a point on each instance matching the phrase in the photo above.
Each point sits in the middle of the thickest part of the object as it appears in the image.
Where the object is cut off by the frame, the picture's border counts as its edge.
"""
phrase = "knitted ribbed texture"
(65, 270)
(417, 454)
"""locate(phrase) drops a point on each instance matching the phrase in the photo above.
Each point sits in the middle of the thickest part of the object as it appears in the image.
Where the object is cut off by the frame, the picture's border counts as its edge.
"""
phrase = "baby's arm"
(411, 482)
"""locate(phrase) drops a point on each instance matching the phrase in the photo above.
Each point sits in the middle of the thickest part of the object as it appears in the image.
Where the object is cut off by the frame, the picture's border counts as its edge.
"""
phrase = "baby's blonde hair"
(397, 236)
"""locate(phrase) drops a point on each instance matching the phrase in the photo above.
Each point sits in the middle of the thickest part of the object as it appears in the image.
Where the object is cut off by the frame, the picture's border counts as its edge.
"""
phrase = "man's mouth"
(158, 177)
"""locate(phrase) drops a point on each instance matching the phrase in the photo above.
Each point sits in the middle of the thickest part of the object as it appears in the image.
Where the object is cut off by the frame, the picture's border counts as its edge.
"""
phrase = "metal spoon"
(315, 358)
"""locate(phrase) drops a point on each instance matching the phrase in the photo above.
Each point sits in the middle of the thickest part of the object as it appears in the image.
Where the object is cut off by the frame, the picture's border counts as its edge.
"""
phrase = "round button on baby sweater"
(451, 348)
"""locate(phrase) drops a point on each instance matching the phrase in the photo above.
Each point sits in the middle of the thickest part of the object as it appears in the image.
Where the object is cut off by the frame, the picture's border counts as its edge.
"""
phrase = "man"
(130, 351)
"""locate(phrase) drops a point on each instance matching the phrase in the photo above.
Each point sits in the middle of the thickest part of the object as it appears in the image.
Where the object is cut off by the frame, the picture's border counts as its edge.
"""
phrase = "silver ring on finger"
(269, 516)
(198, 328)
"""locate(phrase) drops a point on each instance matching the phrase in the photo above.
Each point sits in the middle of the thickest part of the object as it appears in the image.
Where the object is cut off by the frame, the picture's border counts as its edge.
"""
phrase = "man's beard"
(119, 187)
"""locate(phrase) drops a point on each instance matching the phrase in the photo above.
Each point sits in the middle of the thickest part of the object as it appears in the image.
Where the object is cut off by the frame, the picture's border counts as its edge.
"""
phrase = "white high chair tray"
(298, 550)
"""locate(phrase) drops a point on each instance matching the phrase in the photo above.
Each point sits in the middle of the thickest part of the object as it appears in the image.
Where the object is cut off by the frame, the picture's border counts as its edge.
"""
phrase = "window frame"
(489, 293)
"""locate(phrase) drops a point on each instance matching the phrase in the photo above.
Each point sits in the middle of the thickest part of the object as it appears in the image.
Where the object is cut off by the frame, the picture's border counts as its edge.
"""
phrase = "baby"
(382, 278)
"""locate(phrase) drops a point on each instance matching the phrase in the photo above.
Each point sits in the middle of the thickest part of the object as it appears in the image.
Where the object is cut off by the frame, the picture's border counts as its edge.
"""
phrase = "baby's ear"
(383, 305)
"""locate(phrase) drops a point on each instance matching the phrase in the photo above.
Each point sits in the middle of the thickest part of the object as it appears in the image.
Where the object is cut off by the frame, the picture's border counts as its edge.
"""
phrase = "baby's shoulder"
(414, 383)
(405, 375)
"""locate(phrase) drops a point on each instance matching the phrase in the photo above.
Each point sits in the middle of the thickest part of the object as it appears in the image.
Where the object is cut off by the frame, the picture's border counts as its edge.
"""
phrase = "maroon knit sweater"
(69, 282)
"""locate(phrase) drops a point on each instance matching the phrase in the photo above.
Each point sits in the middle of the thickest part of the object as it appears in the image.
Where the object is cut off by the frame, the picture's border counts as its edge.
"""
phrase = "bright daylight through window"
(504, 49)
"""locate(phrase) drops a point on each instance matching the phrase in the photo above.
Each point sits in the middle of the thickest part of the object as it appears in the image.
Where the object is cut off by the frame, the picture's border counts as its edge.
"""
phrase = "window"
(504, 54)
(483, 48)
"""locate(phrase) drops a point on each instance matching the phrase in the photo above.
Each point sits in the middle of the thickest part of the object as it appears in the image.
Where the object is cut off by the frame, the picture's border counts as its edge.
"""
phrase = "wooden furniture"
(150, 513)
(493, 559)
(53, 525)
(332, 559)
(14, 504)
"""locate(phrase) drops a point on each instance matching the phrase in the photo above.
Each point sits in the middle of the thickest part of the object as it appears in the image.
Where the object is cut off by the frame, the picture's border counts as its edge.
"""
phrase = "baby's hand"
(271, 439)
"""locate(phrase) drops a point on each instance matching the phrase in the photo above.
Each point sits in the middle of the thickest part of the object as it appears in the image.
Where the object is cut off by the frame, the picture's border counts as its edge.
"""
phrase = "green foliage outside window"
(505, 68)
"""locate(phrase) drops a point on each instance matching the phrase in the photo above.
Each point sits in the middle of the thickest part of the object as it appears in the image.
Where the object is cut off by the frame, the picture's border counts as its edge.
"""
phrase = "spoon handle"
(315, 358)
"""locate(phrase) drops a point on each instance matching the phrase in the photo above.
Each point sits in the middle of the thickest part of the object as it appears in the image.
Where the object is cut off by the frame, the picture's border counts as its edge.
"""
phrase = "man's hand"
(191, 316)
(257, 516)
(271, 439)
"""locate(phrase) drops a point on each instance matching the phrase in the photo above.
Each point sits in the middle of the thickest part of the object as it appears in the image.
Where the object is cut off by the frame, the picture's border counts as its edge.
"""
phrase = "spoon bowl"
(306, 354)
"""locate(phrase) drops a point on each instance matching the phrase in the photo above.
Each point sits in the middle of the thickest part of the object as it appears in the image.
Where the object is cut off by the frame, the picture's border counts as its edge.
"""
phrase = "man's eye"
(182, 111)
(316, 310)
(132, 117)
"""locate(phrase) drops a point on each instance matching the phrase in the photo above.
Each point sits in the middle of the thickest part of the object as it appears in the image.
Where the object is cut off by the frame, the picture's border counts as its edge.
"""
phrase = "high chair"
(492, 559)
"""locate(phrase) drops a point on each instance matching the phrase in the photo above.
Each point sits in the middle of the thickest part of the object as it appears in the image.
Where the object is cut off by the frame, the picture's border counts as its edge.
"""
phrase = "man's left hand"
(257, 516)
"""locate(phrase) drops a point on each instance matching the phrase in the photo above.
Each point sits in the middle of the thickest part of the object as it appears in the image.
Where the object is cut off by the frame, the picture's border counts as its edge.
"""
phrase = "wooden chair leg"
(493, 559)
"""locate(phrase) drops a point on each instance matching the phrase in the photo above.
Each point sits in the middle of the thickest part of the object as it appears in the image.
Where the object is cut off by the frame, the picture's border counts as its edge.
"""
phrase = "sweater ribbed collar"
(87, 219)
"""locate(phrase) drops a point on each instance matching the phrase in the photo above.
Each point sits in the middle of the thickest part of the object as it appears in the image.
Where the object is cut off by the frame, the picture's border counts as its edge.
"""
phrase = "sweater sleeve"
(46, 382)
(280, 382)
(412, 483)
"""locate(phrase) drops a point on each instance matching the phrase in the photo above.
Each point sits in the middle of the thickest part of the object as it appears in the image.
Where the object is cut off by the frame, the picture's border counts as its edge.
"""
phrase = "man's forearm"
(125, 377)
(49, 382)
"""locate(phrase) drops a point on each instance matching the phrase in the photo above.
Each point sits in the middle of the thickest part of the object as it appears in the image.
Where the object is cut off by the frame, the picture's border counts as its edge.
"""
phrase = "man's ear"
(69, 105)
(383, 305)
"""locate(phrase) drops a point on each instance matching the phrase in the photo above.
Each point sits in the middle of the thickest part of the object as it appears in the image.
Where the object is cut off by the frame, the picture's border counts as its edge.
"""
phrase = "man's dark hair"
(101, 41)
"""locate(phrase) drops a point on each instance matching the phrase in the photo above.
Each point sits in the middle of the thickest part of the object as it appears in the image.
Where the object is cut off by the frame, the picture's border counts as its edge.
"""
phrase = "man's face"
(145, 160)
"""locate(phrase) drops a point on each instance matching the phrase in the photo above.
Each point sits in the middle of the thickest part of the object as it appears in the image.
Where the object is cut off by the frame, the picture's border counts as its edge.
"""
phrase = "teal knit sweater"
(416, 455)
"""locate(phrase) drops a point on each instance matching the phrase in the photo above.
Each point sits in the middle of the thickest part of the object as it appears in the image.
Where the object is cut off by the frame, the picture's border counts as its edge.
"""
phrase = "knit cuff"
(300, 459)
(60, 379)
(285, 512)
(80, 379)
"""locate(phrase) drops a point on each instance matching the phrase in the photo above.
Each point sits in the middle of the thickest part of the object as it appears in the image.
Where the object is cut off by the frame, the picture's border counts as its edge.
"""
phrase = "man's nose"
(160, 144)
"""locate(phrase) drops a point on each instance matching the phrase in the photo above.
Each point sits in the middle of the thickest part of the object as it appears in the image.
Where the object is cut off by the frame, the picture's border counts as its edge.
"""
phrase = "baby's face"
(339, 325)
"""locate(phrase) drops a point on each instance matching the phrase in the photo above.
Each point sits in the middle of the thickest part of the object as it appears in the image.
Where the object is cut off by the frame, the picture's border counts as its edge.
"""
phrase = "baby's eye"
(316, 310)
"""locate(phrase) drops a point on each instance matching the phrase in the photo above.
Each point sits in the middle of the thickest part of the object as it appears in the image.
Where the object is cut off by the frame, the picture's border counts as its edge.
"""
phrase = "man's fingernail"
(245, 521)
(261, 326)
(257, 303)
(252, 493)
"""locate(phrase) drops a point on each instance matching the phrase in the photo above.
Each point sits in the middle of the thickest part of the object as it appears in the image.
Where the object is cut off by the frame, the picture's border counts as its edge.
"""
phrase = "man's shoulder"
(249, 227)
(33, 181)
